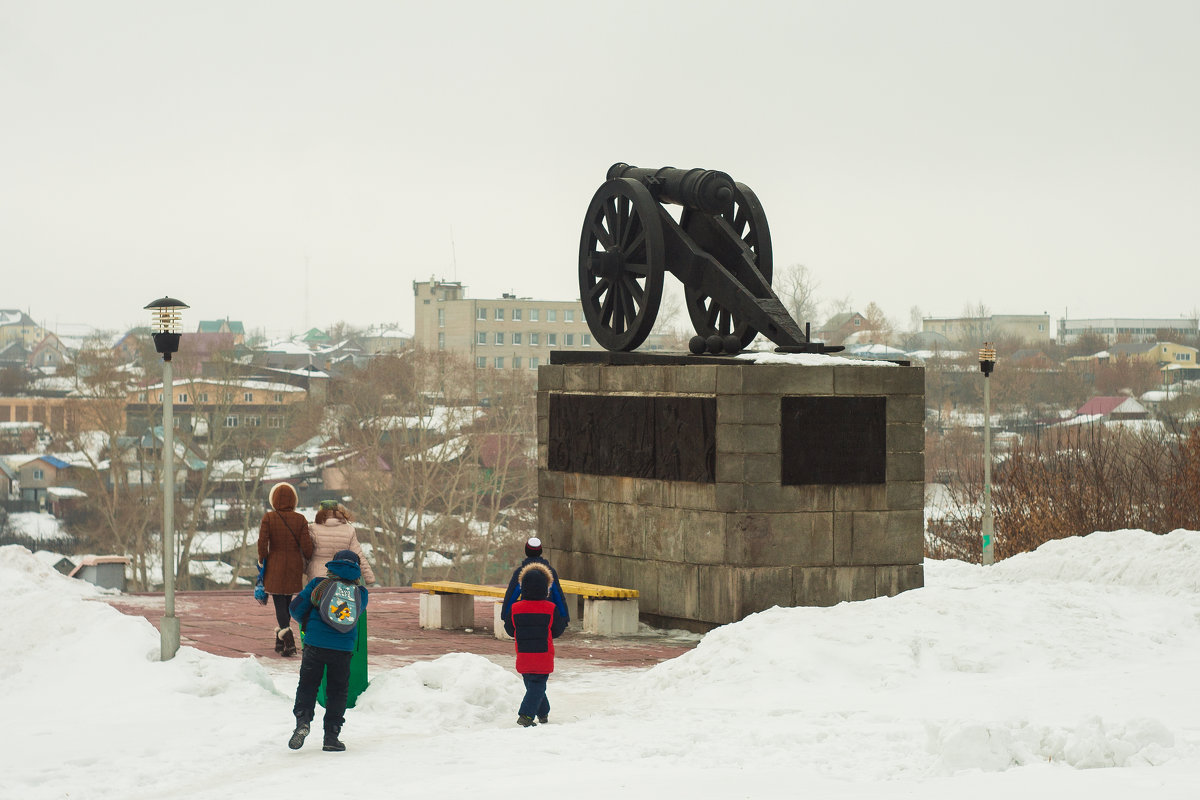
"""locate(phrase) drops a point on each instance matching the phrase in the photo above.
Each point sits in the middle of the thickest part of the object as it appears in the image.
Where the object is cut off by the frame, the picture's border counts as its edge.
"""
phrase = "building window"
(141, 397)
(441, 340)
(183, 397)
(232, 421)
(481, 338)
(569, 315)
(552, 340)
(499, 315)
(570, 340)
(587, 340)
(247, 397)
(551, 315)
(202, 397)
(499, 362)
(533, 315)
(274, 422)
(533, 363)
(517, 338)
(481, 313)
(516, 315)
(533, 340)
(499, 337)
(38, 474)
(480, 362)
(516, 362)
(160, 397)
(441, 317)
(253, 421)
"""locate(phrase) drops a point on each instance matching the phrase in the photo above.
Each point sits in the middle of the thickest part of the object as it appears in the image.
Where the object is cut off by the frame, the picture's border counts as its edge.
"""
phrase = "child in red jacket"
(534, 625)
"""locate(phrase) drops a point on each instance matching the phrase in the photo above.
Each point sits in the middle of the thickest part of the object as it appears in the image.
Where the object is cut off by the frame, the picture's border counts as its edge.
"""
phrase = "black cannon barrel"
(701, 189)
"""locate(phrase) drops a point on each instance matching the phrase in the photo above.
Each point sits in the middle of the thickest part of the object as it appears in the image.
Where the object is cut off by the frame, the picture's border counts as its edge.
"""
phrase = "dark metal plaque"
(839, 440)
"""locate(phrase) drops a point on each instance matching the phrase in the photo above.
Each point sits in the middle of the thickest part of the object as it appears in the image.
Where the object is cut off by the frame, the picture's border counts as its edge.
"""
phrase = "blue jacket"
(316, 632)
(513, 593)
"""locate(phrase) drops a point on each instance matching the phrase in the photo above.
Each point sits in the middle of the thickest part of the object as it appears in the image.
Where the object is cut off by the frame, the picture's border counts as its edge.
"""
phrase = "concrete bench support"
(498, 624)
(447, 611)
(610, 617)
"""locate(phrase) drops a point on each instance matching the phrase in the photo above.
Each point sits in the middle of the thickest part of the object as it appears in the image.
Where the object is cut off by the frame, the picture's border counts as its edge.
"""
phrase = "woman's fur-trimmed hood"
(535, 580)
(284, 497)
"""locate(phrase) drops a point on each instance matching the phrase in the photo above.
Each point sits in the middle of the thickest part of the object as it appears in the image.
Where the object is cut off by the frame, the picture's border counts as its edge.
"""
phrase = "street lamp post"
(165, 318)
(987, 363)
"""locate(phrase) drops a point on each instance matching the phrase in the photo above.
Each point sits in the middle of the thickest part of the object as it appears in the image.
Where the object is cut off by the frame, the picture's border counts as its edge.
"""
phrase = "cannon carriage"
(720, 249)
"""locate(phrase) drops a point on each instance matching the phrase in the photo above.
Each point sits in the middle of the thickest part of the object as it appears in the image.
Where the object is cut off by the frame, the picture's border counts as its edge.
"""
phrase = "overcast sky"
(296, 163)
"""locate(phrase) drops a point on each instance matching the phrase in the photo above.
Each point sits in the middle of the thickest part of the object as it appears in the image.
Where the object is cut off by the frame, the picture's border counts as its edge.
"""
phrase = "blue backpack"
(338, 603)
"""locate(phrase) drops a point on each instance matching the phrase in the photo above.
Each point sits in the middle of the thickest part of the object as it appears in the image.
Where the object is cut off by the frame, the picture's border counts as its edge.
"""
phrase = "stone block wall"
(707, 553)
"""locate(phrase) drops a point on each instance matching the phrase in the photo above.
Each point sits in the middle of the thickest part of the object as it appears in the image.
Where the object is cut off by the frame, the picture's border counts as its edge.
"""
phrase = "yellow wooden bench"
(607, 610)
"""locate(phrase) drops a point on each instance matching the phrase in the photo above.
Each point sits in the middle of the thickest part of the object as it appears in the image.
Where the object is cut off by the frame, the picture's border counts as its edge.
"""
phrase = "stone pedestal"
(446, 611)
(718, 487)
(603, 617)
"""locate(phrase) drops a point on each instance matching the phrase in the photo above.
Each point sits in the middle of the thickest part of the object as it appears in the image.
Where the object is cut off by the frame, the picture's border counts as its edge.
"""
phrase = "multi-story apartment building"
(509, 332)
(229, 404)
(1031, 328)
(1135, 329)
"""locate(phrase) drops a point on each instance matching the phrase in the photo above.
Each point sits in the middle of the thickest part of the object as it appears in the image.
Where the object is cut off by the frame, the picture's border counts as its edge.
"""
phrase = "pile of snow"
(37, 526)
(1067, 671)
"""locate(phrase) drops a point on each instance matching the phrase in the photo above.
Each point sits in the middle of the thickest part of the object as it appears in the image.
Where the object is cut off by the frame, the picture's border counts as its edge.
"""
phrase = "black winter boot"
(332, 744)
(289, 643)
(297, 740)
(278, 640)
(525, 722)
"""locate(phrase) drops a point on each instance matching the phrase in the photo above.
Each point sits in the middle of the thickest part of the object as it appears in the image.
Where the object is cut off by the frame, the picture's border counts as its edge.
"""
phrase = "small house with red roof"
(1113, 408)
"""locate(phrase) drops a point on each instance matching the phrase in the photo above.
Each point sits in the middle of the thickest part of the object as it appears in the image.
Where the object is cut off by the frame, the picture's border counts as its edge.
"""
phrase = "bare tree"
(797, 289)
(124, 497)
(878, 327)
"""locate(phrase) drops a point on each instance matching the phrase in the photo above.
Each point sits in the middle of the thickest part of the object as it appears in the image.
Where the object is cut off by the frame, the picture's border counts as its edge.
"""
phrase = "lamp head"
(987, 359)
(165, 316)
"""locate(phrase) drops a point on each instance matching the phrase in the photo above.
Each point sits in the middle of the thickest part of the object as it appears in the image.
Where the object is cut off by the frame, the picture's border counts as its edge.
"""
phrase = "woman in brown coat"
(285, 546)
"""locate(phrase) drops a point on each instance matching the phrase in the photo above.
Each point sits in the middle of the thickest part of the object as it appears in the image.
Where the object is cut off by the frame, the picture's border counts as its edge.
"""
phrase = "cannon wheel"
(621, 264)
(750, 223)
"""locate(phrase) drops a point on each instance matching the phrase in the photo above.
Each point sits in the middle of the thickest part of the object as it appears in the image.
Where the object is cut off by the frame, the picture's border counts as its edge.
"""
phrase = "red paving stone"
(230, 623)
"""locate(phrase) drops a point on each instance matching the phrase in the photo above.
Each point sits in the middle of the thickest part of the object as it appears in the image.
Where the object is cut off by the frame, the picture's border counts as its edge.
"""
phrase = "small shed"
(107, 572)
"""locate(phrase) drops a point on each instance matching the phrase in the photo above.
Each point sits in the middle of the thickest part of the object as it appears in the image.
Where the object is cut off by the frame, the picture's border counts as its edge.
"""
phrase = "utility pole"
(987, 363)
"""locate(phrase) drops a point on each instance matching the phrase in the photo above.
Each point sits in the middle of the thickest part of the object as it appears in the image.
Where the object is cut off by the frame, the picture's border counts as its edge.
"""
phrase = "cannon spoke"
(612, 221)
(602, 236)
(606, 307)
(636, 244)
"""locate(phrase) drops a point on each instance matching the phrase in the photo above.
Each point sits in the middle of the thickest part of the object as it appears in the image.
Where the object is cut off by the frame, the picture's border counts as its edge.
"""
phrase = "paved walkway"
(230, 623)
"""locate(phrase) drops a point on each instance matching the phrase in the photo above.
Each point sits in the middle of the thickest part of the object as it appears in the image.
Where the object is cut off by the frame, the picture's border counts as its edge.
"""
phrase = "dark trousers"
(282, 618)
(334, 665)
(535, 703)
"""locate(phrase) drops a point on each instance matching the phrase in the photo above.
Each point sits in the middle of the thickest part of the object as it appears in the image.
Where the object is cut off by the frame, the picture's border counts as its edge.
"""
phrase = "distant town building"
(16, 325)
(1124, 328)
(1161, 353)
(508, 332)
(839, 326)
(1030, 328)
(230, 404)
(234, 328)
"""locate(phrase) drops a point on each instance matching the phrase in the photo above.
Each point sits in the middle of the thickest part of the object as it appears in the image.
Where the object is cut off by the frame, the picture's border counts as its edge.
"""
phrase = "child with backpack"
(328, 609)
(534, 624)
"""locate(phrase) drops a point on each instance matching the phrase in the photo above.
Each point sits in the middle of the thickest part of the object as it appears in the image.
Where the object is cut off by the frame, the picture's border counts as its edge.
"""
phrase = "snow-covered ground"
(1068, 672)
